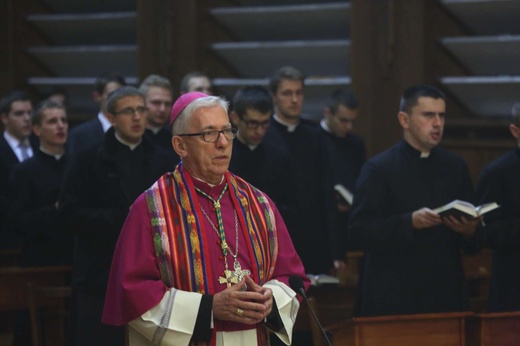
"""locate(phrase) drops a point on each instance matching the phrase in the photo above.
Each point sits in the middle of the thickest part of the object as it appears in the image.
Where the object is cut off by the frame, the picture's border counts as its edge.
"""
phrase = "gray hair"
(180, 125)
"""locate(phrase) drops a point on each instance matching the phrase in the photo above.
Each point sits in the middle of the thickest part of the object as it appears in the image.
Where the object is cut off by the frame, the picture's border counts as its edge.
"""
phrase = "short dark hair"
(184, 87)
(105, 78)
(342, 97)
(285, 73)
(120, 93)
(411, 96)
(37, 116)
(252, 97)
(8, 99)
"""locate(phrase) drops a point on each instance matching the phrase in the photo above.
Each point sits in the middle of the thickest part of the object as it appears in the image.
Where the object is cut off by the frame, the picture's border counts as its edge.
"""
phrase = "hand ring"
(239, 312)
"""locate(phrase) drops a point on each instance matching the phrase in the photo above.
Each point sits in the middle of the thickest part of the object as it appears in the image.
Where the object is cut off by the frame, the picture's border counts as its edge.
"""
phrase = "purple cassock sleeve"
(135, 284)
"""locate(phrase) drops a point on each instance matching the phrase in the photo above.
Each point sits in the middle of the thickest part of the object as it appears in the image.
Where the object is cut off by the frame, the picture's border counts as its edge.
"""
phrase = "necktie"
(25, 151)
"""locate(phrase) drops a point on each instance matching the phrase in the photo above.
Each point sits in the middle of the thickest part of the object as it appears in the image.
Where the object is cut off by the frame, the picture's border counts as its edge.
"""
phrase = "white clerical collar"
(424, 155)
(154, 129)
(324, 126)
(290, 127)
(105, 124)
(132, 146)
(56, 156)
(251, 147)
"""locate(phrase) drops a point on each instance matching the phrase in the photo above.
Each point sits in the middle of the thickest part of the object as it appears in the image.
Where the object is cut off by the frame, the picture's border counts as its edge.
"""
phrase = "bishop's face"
(207, 161)
(424, 126)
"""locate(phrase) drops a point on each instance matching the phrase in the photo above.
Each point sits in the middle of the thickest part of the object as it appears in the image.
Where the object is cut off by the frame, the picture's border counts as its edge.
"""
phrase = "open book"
(320, 279)
(345, 195)
(461, 208)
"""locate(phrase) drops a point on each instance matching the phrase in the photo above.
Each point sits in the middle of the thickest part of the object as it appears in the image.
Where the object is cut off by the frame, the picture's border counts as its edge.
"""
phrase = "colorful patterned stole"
(181, 244)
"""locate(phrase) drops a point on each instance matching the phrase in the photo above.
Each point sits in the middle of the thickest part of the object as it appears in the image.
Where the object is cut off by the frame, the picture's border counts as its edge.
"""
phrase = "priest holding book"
(412, 255)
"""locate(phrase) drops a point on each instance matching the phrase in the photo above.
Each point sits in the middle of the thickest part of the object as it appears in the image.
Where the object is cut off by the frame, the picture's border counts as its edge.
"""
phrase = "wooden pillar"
(7, 46)
(154, 31)
(390, 41)
(174, 37)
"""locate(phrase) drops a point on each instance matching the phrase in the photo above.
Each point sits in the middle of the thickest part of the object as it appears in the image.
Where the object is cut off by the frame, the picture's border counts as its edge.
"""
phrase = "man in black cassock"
(34, 189)
(103, 181)
(264, 165)
(158, 94)
(300, 138)
(347, 153)
(499, 183)
(413, 257)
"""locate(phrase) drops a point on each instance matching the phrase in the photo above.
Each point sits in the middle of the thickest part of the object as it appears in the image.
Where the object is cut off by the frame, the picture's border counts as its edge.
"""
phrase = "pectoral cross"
(239, 273)
(228, 278)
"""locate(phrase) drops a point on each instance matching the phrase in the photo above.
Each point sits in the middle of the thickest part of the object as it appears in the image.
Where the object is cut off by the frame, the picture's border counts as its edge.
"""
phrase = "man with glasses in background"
(102, 183)
(264, 165)
(203, 257)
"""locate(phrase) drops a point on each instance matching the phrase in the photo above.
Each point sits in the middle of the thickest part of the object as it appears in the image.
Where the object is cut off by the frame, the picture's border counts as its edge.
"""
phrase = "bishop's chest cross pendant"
(228, 278)
(239, 273)
(234, 277)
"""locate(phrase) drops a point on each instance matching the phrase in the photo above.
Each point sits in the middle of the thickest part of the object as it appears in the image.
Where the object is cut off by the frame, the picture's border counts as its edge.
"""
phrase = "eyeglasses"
(212, 136)
(131, 111)
(253, 124)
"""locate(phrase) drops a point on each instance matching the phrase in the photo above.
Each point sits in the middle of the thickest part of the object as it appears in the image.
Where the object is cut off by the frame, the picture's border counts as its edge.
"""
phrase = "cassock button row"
(219, 242)
(220, 258)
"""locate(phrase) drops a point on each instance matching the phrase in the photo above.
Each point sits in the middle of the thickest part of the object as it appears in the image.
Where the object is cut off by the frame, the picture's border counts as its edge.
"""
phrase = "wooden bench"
(14, 283)
(446, 329)
(14, 290)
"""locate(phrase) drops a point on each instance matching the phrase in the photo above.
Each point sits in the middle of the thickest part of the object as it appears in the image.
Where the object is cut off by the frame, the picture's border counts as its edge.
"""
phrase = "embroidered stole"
(180, 241)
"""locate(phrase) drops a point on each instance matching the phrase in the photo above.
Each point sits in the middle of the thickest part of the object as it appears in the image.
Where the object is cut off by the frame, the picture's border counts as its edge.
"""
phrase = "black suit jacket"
(8, 160)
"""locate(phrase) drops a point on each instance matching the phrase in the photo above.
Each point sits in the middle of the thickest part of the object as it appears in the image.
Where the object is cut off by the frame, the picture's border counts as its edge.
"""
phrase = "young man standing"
(266, 166)
(413, 258)
(16, 145)
(103, 181)
(34, 189)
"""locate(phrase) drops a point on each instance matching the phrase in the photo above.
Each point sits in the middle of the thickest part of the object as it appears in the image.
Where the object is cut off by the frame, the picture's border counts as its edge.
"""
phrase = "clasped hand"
(246, 302)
